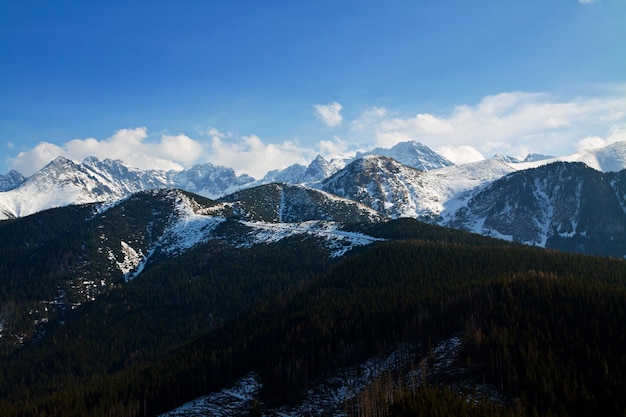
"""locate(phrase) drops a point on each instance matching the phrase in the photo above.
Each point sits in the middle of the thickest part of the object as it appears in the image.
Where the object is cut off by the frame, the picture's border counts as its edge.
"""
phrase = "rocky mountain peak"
(412, 153)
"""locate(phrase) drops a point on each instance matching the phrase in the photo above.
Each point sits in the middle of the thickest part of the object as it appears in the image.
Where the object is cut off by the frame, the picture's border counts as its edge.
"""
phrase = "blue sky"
(258, 85)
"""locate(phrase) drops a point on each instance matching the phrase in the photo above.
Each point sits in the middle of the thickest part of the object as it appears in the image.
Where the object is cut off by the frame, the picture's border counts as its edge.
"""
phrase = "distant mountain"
(290, 175)
(611, 158)
(318, 170)
(397, 190)
(413, 154)
(566, 206)
(535, 157)
(379, 182)
(11, 180)
(63, 182)
(506, 158)
(208, 180)
(370, 188)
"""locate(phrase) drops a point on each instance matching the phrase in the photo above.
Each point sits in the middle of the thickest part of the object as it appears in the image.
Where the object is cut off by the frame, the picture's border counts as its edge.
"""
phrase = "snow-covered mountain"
(370, 188)
(318, 170)
(413, 154)
(379, 182)
(11, 180)
(63, 182)
(611, 158)
(567, 206)
(208, 180)
(165, 223)
(397, 190)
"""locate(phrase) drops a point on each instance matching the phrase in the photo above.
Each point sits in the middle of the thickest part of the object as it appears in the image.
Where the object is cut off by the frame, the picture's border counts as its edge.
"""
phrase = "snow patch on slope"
(131, 260)
(190, 226)
(332, 393)
(338, 241)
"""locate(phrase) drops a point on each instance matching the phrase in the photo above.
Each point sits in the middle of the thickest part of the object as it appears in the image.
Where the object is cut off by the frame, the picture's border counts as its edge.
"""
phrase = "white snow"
(132, 259)
(606, 159)
(188, 228)
(339, 241)
(232, 401)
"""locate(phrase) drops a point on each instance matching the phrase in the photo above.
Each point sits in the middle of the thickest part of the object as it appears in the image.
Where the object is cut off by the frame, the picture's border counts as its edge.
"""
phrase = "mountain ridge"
(370, 188)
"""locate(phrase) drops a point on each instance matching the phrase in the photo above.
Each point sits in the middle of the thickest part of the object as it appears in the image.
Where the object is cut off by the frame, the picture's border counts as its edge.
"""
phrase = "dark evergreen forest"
(545, 328)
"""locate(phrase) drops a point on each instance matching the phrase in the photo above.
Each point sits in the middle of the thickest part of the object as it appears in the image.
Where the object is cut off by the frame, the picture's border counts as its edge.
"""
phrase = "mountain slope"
(83, 251)
(566, 206)
(296, 203)
(198, 322)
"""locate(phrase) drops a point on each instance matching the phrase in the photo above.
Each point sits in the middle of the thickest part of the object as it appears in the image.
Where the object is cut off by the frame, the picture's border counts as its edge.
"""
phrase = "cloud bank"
(246, 154)
(512, 123)
(129, 145)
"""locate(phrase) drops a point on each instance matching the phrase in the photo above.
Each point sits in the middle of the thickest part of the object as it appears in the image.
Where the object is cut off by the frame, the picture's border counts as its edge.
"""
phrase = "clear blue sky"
(228, 78)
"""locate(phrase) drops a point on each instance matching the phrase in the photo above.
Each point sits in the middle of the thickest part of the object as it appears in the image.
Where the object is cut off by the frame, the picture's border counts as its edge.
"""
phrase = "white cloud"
(592, 142)
(246, 154)
(331, 148)
(587, 1)
(616, 134)
(252, 156)
(514, 123)
(180, 148)
(30, 161)
(460, 154)
(329, 113)
(129, 145)
(368, 118)
(507, 123)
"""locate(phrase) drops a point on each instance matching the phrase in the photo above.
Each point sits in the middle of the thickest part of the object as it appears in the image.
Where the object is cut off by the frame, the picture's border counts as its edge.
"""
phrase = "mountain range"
(537, 201)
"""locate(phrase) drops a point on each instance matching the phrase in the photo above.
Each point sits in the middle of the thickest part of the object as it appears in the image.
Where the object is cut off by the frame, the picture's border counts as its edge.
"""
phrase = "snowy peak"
(413, 154)
(535, 157)
(379, 182)
(506, 158)
(318, 170)
(290, 175)
(63, 182)
(11, 180)
(209, 180)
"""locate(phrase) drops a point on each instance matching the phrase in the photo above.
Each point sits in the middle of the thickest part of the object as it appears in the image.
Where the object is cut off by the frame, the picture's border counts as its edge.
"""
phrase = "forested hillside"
(545, 329)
